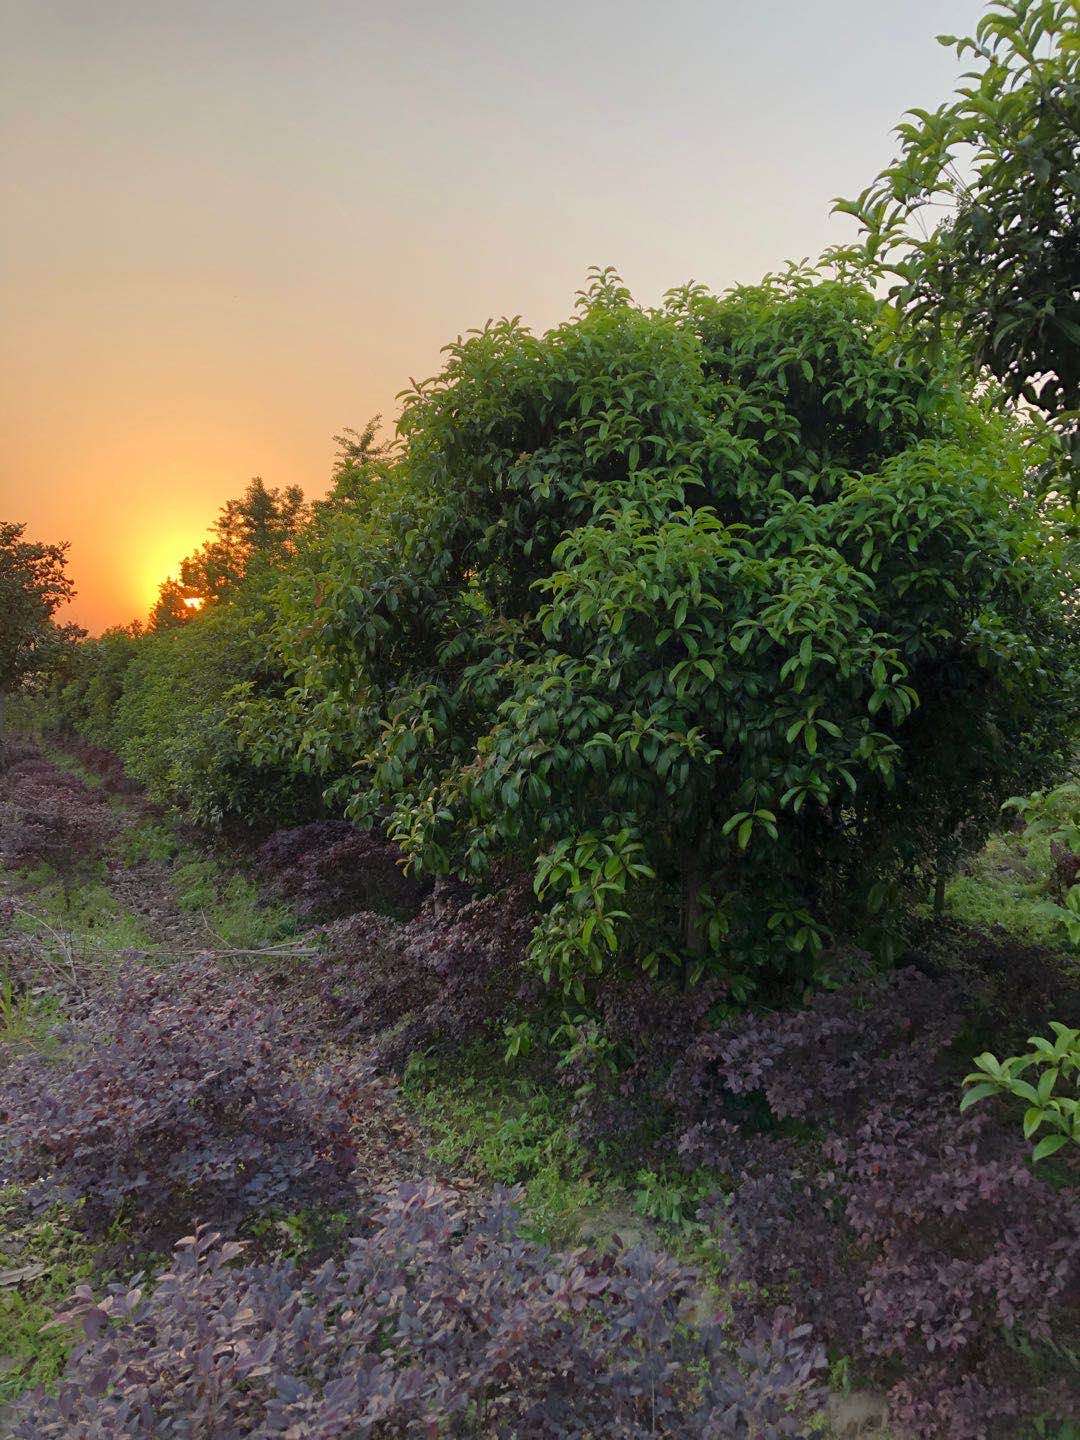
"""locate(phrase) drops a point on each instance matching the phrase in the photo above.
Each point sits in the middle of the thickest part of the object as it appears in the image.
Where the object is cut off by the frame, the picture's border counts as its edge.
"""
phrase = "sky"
(231, 229)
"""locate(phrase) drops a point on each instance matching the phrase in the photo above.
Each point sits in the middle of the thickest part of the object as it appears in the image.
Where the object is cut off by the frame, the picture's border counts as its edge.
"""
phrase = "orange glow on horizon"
(218, 251)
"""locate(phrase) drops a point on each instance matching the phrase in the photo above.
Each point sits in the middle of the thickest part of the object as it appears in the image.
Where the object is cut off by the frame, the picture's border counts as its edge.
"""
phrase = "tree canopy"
(256, 528)
(723, 616)
(33, 585)
(1003, 266)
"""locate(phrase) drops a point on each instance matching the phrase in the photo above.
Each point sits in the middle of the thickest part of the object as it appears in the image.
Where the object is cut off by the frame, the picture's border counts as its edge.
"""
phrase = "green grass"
(207, 886)
(501, 1127)
(55, 1259)
(230, 903)
(1007, 885)
(27, 1022)
(485, 1122)
(85, 913)
(148, 841)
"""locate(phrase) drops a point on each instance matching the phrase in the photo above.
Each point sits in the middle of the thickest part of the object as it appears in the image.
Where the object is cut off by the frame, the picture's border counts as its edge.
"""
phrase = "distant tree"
(361, 458)
(33, 585)
(258, 527)
(176, 604)
(1002, 268)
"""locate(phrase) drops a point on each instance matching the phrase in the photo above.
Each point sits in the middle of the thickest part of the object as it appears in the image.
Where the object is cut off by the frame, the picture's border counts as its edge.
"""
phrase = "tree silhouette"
(33, 585)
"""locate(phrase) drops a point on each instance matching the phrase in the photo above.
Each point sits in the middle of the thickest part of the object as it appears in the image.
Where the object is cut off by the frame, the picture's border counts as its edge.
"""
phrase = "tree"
(361, 459)
(724, 617)
(258, 528)
(1003, 267)
(33, 585)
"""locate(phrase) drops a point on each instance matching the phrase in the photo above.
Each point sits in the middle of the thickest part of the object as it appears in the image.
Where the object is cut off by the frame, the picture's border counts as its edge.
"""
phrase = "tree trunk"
(939, 890)
(692, 927)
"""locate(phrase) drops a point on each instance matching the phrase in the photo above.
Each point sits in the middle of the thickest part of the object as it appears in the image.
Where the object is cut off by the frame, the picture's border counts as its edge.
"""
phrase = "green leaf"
(977, 1092)
(1033, 1118)
(1049, 1145)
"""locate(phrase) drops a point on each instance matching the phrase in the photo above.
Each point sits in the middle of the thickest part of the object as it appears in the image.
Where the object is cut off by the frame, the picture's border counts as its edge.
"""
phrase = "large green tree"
(977, 220)
(723, 617)
(34, 583)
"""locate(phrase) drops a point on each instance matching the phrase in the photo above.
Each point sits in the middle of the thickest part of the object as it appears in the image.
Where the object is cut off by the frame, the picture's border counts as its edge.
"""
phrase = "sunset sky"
(233, 227)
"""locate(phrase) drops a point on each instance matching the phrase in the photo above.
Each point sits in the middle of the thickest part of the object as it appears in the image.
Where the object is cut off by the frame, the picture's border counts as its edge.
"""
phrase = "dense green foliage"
(87, 690)
(162, 699)
(723, 617)
(729, 620)
(173, 725)
(33, 585)
(1003, 267)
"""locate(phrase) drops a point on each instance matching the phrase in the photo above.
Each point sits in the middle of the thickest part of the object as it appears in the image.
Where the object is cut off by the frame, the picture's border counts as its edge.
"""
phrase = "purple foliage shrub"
(640, 1030)
(449, 976)
(914, 1238)
(50, 817)
(436, 1322)
(185, 1103)
(331, 868)
(361, 982)
(106, 764)
(474, 946)
(960, 1243)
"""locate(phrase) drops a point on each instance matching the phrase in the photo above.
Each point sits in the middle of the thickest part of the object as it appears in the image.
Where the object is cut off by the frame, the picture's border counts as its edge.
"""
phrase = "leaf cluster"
(176, 1108)
(1054, 1060)
(436, 1322)
(1003, 158)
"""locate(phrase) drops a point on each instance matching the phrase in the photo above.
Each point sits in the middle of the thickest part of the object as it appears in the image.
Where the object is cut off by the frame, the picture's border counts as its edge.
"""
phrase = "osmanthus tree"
(977, 220)
(34, 583)
(724, 617)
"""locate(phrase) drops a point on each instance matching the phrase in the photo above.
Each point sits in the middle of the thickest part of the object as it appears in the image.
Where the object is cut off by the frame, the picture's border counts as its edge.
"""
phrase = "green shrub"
(84, 697)
(172, 728)
(729, 618)
(1054, 1061)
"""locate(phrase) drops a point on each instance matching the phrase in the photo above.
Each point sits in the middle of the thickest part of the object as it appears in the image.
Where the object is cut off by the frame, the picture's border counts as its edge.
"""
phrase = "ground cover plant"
(181, 1104)
(51, 819)
(437, 1321)
(43, 1259)
(329, 868)
(918, 1237)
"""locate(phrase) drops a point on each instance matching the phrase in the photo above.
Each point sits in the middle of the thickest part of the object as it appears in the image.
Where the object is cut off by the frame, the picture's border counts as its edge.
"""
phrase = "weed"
(150, 840)
(26, 1019)
(42, 1260)
(506, 1131)
(86, 916)
(230, 904)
